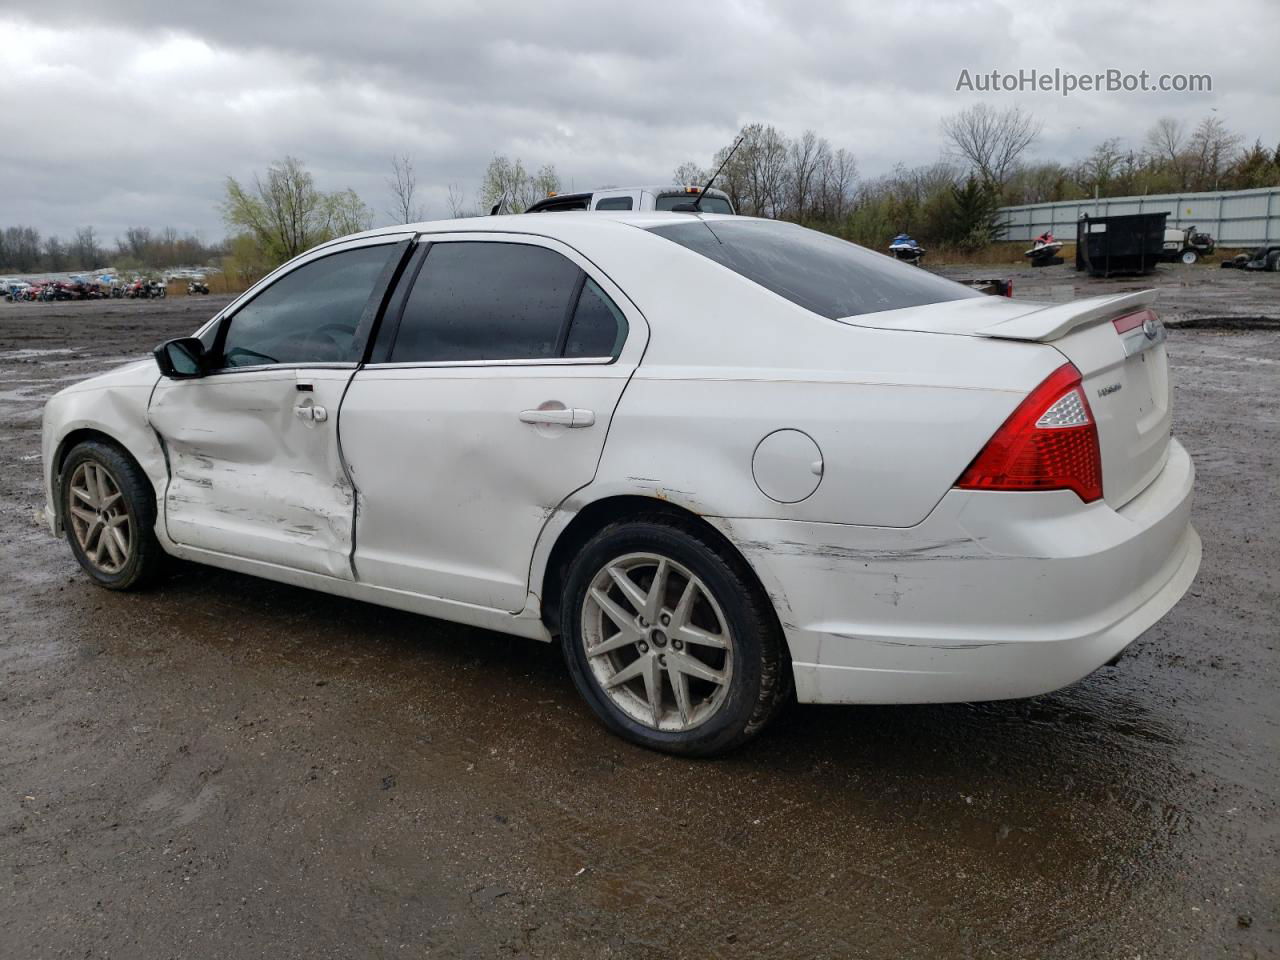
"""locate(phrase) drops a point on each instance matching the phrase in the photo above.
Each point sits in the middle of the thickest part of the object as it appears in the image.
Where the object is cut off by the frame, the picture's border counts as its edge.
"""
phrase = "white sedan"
(717, 458)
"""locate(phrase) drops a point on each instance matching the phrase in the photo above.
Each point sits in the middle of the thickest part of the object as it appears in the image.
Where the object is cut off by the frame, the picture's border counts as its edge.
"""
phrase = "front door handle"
(313, 413)
(575, 417)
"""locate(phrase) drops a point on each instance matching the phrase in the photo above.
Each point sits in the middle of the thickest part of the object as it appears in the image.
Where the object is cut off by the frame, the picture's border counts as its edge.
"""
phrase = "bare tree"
(1210, 149)
(835, 184)
(733, 179)
(403, 184)
(1166, 142)
(84, 249)
(55, 254)
(1097, 170)
(991, 140)
(21, 247)
(764, 155)
(1039, 183)
(804, 160)
(691, 174)
(136, 242)
(457, 202)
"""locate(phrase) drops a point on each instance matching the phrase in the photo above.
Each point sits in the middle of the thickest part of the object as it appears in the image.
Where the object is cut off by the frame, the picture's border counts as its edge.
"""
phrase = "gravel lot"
(224, 767)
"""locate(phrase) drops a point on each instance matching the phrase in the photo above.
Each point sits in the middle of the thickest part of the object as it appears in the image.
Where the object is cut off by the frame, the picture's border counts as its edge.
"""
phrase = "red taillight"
(1050, 442)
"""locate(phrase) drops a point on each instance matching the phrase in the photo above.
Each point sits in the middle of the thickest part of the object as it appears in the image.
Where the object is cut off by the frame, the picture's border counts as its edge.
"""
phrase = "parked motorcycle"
(197, 285)
(906, 249)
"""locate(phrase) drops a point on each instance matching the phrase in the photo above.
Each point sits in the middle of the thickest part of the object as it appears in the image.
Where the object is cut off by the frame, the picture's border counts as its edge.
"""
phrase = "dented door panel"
(454, 484)
(255, 468)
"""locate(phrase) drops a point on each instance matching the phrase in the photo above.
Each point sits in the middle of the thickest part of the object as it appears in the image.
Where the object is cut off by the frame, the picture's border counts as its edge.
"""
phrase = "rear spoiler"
(1050, 323)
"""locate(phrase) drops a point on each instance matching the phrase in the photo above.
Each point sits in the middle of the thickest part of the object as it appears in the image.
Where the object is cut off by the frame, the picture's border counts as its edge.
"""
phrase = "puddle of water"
(25, 395)
(30, 352)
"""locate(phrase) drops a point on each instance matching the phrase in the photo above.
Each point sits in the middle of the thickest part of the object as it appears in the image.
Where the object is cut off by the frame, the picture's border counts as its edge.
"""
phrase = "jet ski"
(1044, 250)
(906, 249)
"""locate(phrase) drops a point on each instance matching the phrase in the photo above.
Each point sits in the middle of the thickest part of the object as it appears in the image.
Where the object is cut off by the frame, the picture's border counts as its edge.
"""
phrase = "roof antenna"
(696, 206)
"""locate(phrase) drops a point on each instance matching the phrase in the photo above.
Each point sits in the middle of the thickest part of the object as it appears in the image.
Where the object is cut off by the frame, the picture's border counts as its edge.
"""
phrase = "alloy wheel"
(99, 517)
(657, 642)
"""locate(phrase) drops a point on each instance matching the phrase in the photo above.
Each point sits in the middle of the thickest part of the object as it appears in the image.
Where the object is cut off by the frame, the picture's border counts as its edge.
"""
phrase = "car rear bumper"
(993, 596)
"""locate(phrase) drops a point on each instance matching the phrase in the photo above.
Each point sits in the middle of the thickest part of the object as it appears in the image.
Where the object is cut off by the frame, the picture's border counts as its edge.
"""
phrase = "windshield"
(712, 204)
(822, 273)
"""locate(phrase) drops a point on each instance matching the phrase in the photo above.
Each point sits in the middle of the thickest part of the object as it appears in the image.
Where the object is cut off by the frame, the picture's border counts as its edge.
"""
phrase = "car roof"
(559, 224)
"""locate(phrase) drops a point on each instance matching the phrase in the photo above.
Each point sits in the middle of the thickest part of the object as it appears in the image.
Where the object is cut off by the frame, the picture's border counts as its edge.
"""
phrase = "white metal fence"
(1235, 218)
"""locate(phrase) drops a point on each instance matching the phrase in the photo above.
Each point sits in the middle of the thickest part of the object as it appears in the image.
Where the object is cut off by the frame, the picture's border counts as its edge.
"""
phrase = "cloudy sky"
(120, 112)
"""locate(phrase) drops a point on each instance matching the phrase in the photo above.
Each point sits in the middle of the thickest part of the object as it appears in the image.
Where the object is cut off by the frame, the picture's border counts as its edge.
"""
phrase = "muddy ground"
(224, 767)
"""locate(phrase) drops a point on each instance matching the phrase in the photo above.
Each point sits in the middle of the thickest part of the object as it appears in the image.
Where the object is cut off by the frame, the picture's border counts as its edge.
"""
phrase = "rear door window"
(488, 300)
(598, 326)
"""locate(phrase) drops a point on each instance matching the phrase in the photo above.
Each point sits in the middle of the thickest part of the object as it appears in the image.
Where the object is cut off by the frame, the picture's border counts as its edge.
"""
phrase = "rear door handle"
(575, 417)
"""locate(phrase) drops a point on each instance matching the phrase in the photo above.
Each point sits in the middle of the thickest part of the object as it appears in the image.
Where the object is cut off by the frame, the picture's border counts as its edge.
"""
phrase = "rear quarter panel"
(897, 414)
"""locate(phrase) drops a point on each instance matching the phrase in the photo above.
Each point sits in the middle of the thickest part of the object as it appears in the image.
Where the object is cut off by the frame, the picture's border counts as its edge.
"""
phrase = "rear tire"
(109, 514)
(1189, 257)
(695, 667)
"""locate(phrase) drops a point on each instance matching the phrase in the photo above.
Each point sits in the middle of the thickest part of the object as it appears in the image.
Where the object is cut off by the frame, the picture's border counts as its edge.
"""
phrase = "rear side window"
(598, 327)
(309, 315)
(614, 203)
(481, 300)
(822, 273)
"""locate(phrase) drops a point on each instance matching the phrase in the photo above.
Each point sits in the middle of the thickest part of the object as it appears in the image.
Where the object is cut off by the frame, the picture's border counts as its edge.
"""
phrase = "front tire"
(670, 640)
(109, 514)
(1189, 257)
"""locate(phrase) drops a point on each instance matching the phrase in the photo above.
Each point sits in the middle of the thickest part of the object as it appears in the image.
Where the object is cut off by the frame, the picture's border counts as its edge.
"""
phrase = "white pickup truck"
(635, 198)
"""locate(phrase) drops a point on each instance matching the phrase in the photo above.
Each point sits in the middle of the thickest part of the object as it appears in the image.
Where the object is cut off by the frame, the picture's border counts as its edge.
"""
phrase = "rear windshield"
(712, 204)
(822, 273)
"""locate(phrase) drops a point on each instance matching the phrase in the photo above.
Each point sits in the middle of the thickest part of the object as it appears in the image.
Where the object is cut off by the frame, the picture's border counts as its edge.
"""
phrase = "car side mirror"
(181, 359)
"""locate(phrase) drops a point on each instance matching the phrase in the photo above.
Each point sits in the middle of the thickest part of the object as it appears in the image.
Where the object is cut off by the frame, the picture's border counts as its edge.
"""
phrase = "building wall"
(1235, 218)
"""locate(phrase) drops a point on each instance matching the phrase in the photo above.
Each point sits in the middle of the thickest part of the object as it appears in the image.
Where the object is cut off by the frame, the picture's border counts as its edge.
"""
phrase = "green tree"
(971, 220)
(285, 213)
(514, 189)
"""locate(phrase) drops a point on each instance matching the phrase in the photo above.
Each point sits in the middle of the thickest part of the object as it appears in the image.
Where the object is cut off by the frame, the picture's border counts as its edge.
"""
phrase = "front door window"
(309, 315)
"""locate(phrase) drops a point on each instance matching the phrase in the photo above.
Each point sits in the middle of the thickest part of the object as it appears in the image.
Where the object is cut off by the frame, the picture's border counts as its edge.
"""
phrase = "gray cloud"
(134, 111)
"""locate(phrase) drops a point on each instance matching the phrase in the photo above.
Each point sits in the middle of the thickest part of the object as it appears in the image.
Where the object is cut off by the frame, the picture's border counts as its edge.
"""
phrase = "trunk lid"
(1123, 366)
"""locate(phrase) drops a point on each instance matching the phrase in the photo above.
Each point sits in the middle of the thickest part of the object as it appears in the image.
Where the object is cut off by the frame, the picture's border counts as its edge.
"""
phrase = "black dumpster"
(1124, 244)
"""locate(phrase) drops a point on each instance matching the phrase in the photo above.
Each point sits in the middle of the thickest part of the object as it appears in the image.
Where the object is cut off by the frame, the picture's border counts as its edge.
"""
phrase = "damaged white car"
(716, 458)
